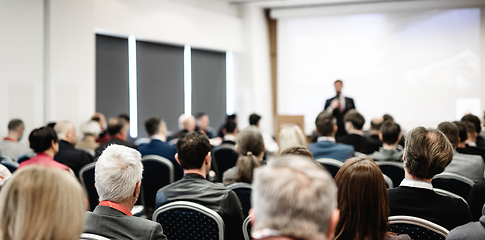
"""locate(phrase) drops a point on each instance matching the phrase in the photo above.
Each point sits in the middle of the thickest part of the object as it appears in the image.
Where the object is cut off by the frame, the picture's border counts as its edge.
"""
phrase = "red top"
(116, 206)
(44, 160)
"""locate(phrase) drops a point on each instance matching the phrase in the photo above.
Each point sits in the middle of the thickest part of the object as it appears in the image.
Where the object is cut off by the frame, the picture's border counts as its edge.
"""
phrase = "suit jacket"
(361, 144)
(425, 203)
(118, 141)
(113, 224)
(329, 149)
(349, 104)
(387, 155)
(476, 200)
(72, 157)
(157, 147)
(472, 151)
(467, 165)
(195, 188)
(469, 231)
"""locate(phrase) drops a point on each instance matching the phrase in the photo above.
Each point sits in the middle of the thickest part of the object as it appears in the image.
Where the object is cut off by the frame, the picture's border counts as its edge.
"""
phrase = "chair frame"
(233, 186)
(389, 163)
(388, 181)
(419, 222)
(246, 222)
(454, 176)
(483, 209)
(90, 236)
(84, 169)
(192, 206)
(449, 194)
(162, 160)
(330, 161)
(14, 164)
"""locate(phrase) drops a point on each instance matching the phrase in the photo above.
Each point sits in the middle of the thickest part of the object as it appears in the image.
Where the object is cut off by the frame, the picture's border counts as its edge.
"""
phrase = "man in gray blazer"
(118, 176)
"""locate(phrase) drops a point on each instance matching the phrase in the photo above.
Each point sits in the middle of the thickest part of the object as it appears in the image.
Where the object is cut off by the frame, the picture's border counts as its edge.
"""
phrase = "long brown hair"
(362, 201)
(245, 168)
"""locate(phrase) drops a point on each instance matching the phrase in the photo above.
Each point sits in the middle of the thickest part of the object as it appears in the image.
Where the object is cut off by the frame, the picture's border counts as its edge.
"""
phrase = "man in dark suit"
(478, 139)
(118, 176)
(463, 136)
(354, 122)
(68, 154)
(326, 147)
(427, 153)
(118, 132)
(339, 106)
(157, 130)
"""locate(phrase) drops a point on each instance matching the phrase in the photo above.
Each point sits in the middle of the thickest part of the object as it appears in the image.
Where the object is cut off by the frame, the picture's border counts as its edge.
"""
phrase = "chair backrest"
(388, 180)
(90, 236)
(449, 194)
(88, 150)
(225, 157)
(393, 170)
(25, 157)
(11, 166)
(243, 192)
(188, 220)
(86, 175)
(158, 172)
(483, 209)
(454, 183)
(417, 228)
(331, 165)
(246, 227)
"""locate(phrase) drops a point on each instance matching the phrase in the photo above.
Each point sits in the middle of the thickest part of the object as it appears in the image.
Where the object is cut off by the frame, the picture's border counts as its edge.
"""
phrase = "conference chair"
(158, 172)
(243, 192)
(90, 236)
(454, 183)
(225, 157)
(449, 194)
(3, 157)
(483, 209)
(182, 220)
(417, 228)
(246, 227)
(331, 165)
(86, 175)
(25, 157)
(388, 181)
(11, 166)
(393, 170)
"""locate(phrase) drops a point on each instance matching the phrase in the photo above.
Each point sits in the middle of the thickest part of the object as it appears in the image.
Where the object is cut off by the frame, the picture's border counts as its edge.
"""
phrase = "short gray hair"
(91, 127)
(117, 172)
(293, 195)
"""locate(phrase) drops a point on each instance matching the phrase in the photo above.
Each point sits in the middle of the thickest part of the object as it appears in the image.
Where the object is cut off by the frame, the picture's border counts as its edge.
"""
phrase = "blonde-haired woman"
(42, 203)
(291, 136)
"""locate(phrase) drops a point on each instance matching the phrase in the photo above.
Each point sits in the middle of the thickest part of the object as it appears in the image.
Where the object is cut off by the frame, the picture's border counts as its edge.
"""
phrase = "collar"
(416, 184)
(325, 138)
(229, 138)
(159, 137)
(193, 176)
(471, 143)
(10, 138)
(116, 206)
(265, 233)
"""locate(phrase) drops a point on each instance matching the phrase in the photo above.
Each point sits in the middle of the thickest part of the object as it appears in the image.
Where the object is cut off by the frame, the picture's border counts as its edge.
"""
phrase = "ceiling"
(305, 3)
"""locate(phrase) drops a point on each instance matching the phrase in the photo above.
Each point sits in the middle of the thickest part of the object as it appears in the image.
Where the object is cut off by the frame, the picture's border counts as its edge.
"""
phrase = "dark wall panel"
(160, 83)
(112, 90)
(209, 85)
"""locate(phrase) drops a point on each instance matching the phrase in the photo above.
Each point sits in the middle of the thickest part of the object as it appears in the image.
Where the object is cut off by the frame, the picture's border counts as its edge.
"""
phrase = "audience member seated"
(291, 136)
(427, 153)
(469, 231)
(103, 136)
(45, 143)
(117, 132)
(41, 203)
(354, 122)
(248, 140)
(245, 168)
(230, 132)
(390, 135)
(68, 154)
(126, 117)
(118, 176)
(326, 147)
(386, 117)
(232, 117)
(463, 137)
(476, 200)
(293, 198)
(375, 128)
(202, 120)
(91, 131)
(478, 139)
(470, 166)
(4, 175)
(157, 130)
(194, 156)
(297, 150)
(269, 143)
(10, 146)
(362, 201)
(186, 124)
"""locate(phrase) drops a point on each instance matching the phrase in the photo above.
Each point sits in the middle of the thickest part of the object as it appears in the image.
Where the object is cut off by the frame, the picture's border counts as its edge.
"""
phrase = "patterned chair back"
(417, 228)
(394, 170)
(225, 157)
(158, 172)
(454, 183)
(243, 192)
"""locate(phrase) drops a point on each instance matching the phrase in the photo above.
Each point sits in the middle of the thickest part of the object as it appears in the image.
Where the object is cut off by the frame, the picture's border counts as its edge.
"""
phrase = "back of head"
(152, 125)
(117, 172)
(427, 152)
(295, 196)
(254, 119)
(124, 116)
(192, 149)
(376, 123)
(297, 150)
(64, 127)
(390, 132)
(40, 139)
(470, 127)
(291, 136)
(387, 117)
(325, 123)
(14, 124)
(230, 127)
(451, 132)
(250, 139)
(42, 203)
(91, 128)
(355, 118)
(189, 123)
(462, 132)
(362, 200)
(245, 168)
(475, 120)
(116, 126)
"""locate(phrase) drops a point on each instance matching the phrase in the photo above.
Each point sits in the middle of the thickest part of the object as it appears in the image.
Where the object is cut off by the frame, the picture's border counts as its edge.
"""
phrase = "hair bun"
(249, 153)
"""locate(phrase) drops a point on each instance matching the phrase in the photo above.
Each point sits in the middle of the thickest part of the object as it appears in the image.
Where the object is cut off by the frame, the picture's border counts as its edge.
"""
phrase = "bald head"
(66, 131)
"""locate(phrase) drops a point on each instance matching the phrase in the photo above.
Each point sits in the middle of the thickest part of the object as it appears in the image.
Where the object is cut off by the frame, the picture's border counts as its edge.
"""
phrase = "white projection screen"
(422, 67)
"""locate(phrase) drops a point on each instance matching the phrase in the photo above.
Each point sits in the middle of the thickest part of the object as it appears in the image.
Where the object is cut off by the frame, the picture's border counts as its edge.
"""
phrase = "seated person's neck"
(409, 176)
(389, 147)
(355, 131)
(195, 171)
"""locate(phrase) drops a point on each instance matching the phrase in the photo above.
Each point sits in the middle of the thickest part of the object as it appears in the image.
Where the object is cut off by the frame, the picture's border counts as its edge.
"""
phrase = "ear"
(137, 189)
(404, 156)
(208, 158)
(334, 218)
(237, 149)
(335, 129)
(252, 217)
(399, 138)
(380, 137)
(177, 158)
